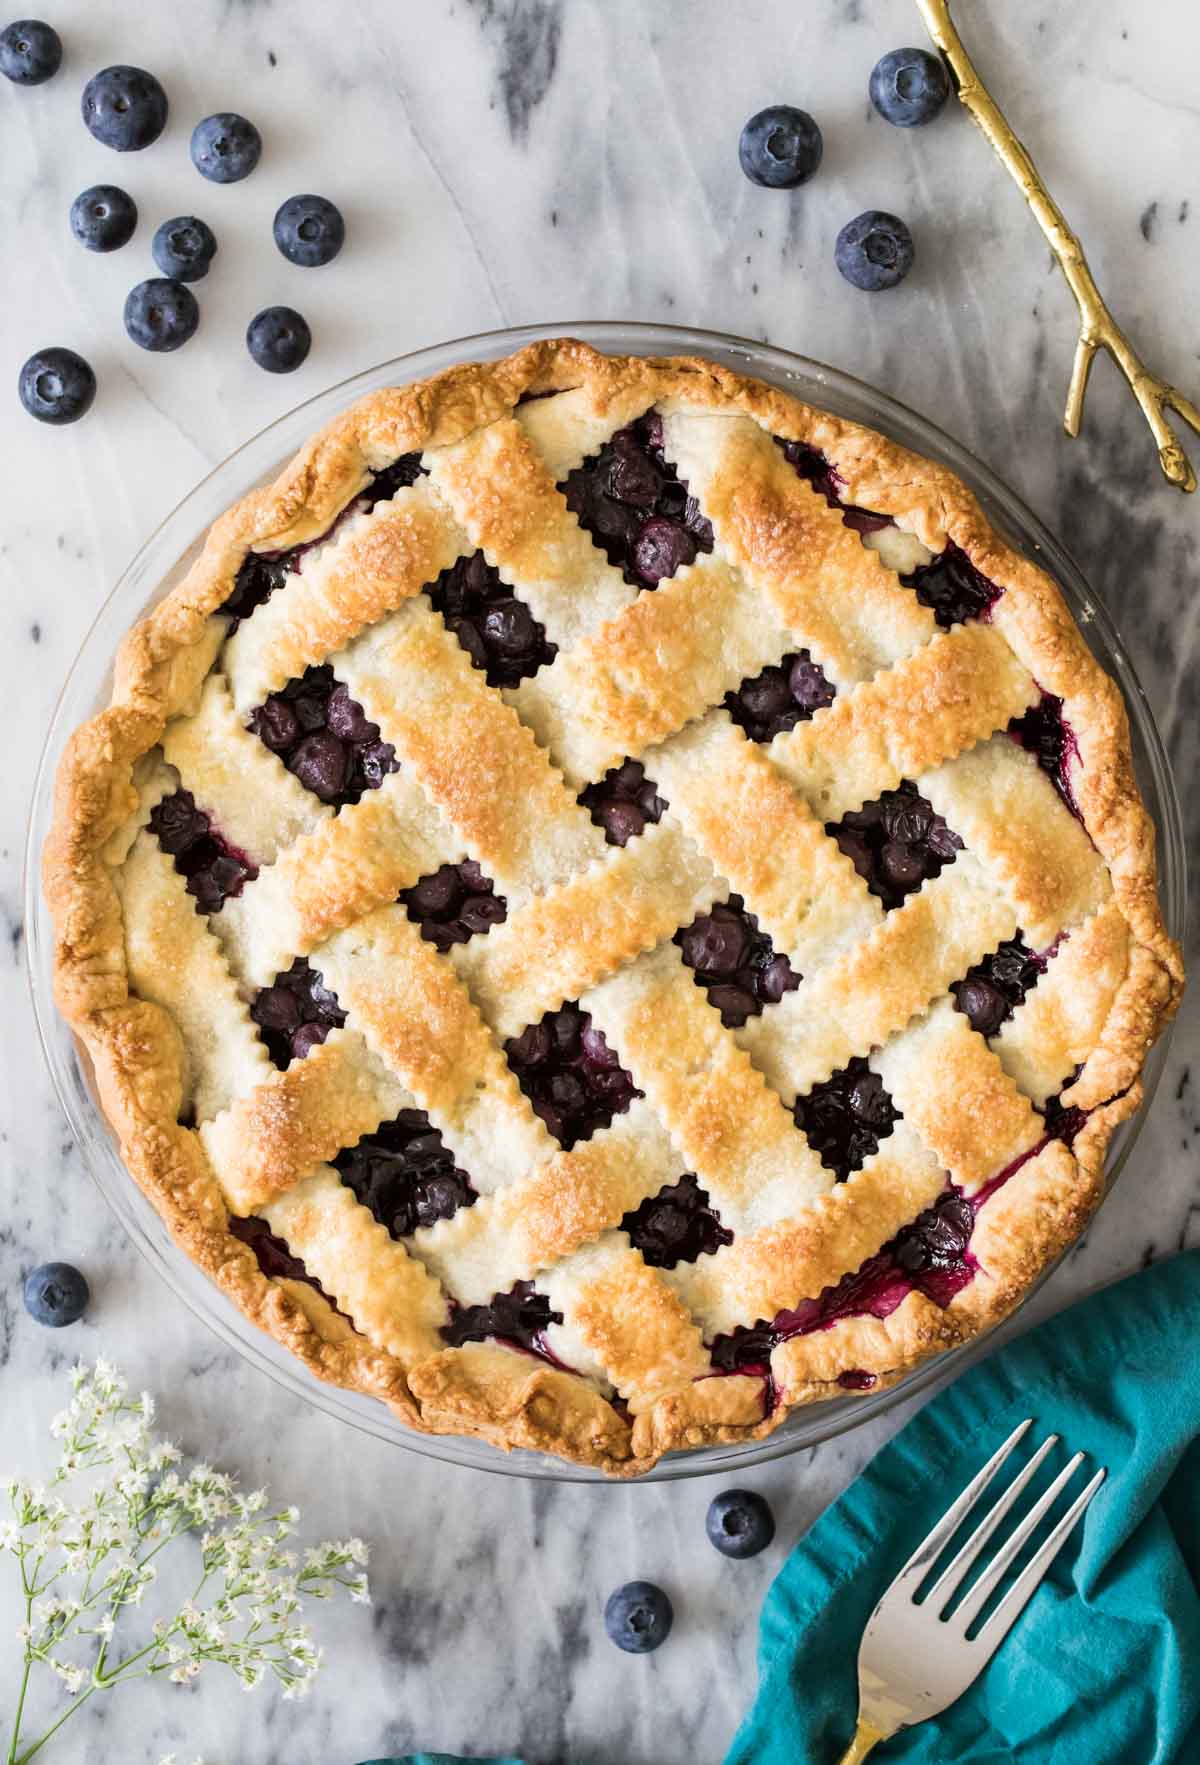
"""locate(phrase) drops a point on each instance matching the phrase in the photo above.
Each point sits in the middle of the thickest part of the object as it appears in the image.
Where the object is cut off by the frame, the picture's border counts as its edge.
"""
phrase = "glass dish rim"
(159, 559)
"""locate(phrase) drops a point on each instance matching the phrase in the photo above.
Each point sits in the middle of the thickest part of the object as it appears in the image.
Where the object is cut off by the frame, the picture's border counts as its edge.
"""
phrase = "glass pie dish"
(161, 563)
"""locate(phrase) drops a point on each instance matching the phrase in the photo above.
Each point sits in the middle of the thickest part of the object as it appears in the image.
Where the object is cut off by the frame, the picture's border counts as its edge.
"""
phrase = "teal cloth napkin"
(1104, 1664)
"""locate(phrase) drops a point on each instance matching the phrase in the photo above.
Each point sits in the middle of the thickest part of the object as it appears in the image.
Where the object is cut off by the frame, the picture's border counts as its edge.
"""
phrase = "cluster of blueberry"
(781, 148)
(125, 108)
(638, 1616)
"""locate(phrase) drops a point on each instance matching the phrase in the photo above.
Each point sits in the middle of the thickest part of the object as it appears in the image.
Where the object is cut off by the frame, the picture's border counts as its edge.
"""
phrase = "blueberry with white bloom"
(225, 147)
(125, 108)
(30, 52)
(56, 386)
(874, 251)
(739, 1523)
(638, 1617)
(278, 339)
(103, 217)
(184, 247)
(309, 231)
(161, 314)
(908, 87)
(56, 1294)
(780, 147)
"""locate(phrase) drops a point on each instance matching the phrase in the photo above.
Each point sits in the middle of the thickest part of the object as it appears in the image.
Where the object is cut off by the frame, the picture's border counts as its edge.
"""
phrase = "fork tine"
(1017, 1597)
(929, 1548)
(946, 1585)
(974, 1602)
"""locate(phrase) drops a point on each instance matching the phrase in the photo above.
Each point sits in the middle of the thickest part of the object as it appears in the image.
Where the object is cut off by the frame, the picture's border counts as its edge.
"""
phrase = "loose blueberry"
(30, 52)
(56, 386)
(909, 87)
(739, 1523)
(184, 248)
(278, 339)
(225, 147)
(309, 231)
(161, 314)
(125, 108)
(103, 218)
(638, 1617)
(780, 147)
(56, 1294)
(874, 251)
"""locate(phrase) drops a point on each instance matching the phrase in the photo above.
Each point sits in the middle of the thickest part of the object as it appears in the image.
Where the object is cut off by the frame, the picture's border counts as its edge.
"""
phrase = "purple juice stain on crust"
(1043, 733)
(896, 842)
(989, 993)
(497, 630)
(405, 1174)
(931, 1255)
(780, 697)
(453, 903)
(636, 507)
(953, 589)
(623, 802)
(214, 869)
(519, 1317)
(845, 1118)
(274, 1258)
(815, 469)
(676, 1225)
(573, 1079)
(856, 1379)
(324, 738)
(735, 962)
(296, 1013)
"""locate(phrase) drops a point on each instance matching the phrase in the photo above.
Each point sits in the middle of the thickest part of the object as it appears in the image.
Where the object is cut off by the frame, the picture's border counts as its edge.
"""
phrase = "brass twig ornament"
(1097, 327)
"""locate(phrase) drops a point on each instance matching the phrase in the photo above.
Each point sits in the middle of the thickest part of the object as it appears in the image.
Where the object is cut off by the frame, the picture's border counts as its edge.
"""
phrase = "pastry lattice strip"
(541, 853)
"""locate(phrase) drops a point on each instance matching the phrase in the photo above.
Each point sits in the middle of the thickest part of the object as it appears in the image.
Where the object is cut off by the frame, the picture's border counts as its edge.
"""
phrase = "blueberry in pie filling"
(406, 1174)
(896, 843)
(735, 962)
(573, 1079)
(632, 502)
(504, 926)
(324, 738)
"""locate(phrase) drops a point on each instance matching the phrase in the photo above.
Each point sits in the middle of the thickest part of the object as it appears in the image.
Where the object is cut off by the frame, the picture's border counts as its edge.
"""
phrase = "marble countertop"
(499, 162)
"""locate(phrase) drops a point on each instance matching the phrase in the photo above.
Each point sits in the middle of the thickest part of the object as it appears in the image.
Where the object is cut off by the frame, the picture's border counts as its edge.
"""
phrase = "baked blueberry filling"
(454, 902)
(952, 588)
(636, 507)
(989, 993)
(623, 801)
(497, 630)
(735, 962)
(398, 476)
(845, 1118)
(815, 469)
(324, 737)
(1043, 733)
(573, 1079)
(274, 1258)
(1063, 1122)
(780, 697)
(214, 869)
(520, 1317)
(930, 1255)
(296, 1013)
(896, 843)
(676, 1225)
(405, 1174)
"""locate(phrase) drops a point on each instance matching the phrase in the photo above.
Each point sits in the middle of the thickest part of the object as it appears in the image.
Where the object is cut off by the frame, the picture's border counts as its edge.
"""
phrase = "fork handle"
(866, 1738)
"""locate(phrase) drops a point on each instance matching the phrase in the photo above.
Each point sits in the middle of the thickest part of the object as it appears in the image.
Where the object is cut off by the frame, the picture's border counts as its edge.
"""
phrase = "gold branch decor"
(1097, 327)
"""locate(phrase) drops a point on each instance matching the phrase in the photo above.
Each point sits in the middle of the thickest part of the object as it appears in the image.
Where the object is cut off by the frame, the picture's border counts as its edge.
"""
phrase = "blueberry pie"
(609, 904)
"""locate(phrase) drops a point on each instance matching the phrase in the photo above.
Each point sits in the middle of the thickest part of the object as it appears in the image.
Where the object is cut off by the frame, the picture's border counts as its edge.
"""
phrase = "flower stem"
(27, 1755)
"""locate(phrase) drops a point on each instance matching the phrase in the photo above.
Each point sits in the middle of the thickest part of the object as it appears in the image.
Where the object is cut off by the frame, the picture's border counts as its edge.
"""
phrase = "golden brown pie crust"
(634, 673)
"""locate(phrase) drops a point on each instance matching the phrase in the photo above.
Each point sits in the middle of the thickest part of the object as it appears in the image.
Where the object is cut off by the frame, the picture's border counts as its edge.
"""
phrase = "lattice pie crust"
(1015, 1125)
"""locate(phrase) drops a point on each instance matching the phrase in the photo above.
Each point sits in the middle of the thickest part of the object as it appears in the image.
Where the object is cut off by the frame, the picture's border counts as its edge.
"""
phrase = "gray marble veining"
(498, 162)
